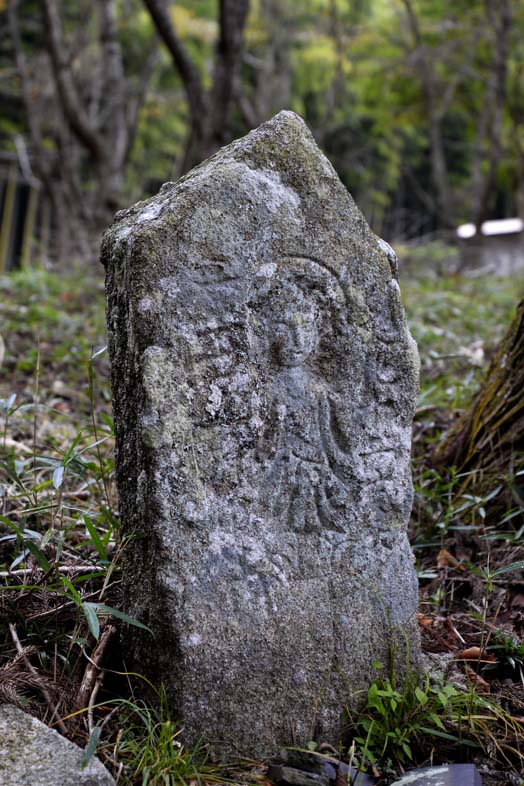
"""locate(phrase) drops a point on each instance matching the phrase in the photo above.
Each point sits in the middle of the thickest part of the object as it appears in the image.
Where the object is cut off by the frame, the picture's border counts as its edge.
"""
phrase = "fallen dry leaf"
(423, 621)
(474, 653)
(475, 678)
(517, 601)
(446, 560)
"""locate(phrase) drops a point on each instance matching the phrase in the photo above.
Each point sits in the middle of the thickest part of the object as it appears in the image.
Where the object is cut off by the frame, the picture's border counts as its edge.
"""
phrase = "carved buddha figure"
(306, 463)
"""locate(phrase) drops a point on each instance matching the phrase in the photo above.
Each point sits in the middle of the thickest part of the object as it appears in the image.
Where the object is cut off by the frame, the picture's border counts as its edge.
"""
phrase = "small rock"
(279, 773)
(32, 754)
(58, 386)
(301, 768)
(445, 775)
(493, 777)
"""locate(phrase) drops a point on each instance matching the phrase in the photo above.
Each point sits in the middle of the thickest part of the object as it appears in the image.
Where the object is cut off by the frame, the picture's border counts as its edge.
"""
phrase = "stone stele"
(264, 384)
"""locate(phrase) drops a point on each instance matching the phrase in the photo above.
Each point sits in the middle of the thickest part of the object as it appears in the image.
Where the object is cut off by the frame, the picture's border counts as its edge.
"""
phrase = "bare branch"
(114, 82)
(136, 105)
(21, 67)
(69, 100)
(499, 17)
(24, 161)
(430, 92)
(228, 57)
(181, 60)
(247, 110)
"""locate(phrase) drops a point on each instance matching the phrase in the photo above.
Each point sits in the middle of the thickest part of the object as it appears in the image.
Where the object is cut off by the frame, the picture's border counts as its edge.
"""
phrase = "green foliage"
(456, 321)
(405, 717)
(443, 509)
(353, 70)
(152, 753)
(59, 532)
(508, 651)
(43, 491)
(396, 721)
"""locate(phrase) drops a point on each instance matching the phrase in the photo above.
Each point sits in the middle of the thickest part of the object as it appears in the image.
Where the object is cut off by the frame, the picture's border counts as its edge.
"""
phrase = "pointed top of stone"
(286, 128)
(285, 118)
(282, 156)
(284, 143)
(277, 142)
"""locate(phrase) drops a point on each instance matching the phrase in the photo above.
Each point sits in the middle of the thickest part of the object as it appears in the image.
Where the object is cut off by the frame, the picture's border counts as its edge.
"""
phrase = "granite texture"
(264, 385)
(32, 754)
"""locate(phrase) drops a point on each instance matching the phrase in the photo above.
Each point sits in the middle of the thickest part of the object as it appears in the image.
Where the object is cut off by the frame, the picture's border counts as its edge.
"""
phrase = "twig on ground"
(120, 768)
(45, 693)
(453, 629)
(93, 669)
(5, 574)
(92, 699)
(18, 446)
(109, 716)
(59, 608)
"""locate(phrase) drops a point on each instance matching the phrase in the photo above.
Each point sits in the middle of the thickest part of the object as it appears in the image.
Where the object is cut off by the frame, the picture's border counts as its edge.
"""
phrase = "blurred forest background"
(419, 104)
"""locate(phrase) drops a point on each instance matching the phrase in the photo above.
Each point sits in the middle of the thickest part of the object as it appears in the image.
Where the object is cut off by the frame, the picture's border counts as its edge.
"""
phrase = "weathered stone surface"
(32, 754)
(264, 384)
(444, 775)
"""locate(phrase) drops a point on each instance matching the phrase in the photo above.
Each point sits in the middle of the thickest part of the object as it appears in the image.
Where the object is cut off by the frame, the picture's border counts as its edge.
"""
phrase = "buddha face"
(295, 332)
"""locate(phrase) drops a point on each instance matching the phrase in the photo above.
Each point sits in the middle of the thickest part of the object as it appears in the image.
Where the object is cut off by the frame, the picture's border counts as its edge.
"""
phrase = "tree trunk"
(81, 122)
(487, 442)
(210, 112)
(489, 141)
(435, 111)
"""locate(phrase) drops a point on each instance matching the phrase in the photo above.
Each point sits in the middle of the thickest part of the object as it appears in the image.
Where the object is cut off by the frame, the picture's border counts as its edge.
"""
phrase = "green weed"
(150, 749)
(60, 541)
(456, 325)
(406, 720)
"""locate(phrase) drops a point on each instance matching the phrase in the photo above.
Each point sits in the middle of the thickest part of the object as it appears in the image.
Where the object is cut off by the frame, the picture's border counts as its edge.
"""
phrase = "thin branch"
(424, 197)
(114, 82)
(447, 96)
(93, 668)
(49, 612)
(247, 110)
(67, 92)
(92, 699)
(45, 693)
(25, 162)
(430, 92)
(135, 106)
(228, 57)
(181, 60)
(23, 72)
(499, 18)
(6, 574)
